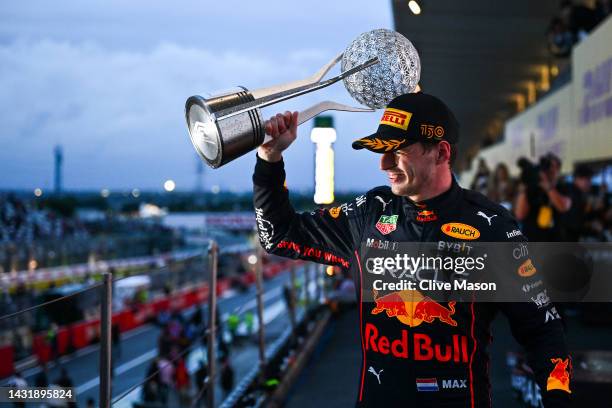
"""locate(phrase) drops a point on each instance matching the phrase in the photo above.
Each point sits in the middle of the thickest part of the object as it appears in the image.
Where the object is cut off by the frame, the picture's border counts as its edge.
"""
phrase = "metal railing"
(210, 334)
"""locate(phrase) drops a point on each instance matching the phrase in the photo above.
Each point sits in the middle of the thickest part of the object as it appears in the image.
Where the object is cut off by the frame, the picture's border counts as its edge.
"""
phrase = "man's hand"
(545, 182)
(283, 129)
(559, 201)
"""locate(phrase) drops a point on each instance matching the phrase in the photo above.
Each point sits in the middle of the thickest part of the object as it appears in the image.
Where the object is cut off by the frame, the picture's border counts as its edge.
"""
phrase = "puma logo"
(377, 374)
(483, 215)
(379, 198)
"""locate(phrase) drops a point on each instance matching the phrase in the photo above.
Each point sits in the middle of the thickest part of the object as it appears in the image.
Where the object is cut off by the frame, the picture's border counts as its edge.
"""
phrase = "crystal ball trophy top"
(376, 67)
(397, 72)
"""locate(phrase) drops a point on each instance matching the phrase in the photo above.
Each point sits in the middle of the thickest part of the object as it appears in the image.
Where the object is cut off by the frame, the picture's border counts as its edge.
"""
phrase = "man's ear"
(444, 152)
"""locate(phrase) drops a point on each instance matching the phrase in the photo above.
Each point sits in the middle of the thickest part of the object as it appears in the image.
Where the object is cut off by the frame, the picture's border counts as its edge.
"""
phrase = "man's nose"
(387, 161)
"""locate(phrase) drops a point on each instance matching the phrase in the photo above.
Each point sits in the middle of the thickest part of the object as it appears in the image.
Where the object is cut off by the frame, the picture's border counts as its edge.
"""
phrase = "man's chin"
(403, 189)
(398, 189)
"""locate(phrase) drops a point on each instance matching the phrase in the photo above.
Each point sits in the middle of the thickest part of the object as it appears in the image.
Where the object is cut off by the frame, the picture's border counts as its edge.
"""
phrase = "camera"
(530, 172)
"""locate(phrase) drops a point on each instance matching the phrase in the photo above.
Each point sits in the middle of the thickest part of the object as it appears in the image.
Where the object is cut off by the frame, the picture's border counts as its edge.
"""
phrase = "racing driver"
(416, 351)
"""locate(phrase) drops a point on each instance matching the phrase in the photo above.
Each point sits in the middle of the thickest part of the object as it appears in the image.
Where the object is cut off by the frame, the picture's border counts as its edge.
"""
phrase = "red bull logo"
(428, 310)
(412, 308)
(426, 216)
(417, 346)
(559, 377)
(392, 304)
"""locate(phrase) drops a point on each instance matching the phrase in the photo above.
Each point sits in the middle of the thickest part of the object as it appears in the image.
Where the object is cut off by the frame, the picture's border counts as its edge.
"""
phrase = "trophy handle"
(259, 93)
(291, 93)
(314, 110)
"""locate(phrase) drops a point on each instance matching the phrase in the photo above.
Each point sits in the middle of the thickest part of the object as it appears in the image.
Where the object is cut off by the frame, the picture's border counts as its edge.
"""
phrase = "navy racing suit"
(417, 351)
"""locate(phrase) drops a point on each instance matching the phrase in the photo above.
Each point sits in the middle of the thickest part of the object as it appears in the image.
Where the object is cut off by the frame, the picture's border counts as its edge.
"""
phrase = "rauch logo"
(461, 231)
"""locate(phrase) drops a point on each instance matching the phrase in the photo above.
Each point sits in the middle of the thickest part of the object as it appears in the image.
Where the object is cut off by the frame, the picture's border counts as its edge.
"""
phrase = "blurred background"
(99, 176)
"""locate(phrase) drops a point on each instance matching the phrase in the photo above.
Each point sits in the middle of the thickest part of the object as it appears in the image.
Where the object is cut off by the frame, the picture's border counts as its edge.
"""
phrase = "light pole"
(323, 135)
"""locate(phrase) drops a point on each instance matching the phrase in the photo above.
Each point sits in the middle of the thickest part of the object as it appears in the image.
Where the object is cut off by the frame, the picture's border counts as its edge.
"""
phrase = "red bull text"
(418, 346)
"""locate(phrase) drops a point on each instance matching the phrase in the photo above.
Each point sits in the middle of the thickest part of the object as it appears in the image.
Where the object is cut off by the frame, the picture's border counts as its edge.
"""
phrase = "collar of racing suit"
(435, 205)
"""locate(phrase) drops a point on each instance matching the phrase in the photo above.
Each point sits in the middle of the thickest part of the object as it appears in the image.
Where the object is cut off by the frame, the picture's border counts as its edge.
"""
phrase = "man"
(540, 207)
(415, 351)
(576, 218)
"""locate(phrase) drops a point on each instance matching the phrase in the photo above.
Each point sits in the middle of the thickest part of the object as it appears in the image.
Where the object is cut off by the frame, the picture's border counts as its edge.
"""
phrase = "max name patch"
(396, 118)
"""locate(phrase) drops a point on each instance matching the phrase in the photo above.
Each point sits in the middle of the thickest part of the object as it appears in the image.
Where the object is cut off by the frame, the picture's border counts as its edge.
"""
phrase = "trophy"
(375, 68)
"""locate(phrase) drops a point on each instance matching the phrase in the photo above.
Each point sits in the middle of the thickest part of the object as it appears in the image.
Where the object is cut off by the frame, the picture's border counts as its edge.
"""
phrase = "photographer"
(541, 199)
(575, 220)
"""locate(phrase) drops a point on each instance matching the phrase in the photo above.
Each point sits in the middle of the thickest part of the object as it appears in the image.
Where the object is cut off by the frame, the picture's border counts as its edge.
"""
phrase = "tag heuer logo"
(387, 224)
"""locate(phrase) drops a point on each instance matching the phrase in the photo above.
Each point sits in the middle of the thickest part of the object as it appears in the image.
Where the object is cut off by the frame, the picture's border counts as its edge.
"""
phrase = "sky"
(107, 80)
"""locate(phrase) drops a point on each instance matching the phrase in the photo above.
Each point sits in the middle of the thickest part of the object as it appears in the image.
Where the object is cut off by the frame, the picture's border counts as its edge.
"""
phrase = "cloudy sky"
(108, 80)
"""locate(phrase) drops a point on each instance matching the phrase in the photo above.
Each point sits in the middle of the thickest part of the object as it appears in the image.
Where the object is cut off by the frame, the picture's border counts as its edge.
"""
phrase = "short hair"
(553, 157)
(583, 171)
(429, 146)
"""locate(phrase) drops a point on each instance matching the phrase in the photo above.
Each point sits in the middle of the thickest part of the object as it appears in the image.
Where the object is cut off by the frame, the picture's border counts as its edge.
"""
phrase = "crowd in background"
(573, 22)
(21, 222)
(550, 207)
(168, 378)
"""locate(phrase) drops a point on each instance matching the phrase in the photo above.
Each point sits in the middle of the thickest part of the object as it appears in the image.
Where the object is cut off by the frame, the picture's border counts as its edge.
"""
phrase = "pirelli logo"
(396, 118)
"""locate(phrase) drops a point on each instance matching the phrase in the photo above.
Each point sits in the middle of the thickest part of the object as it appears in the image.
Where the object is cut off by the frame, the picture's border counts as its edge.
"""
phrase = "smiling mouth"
(393, 177)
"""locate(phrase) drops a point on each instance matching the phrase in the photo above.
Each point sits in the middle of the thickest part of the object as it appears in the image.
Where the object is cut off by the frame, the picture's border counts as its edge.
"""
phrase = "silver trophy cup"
(378, 66)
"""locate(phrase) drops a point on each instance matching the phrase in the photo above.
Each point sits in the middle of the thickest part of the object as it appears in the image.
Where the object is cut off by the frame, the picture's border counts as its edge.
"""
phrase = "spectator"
(289, 296)
(42, 378)
(151, 391)
(227, 376)
(249, 323)
(21, 222)
(200, 382)
(183, 382)
(344, 292)
(481, 178)
(18, 382)
(116, 341)
(223, 345)
(560, 39)
(501, 186)
(583, 21)
(183, 341)
(116, 347)
(541, 199)
(164, 342)
(575, 218)
(166, 377)
(233, 321)
(51, 337)
(197, 318)
(64, 380)
(175, 325)
(596, 225)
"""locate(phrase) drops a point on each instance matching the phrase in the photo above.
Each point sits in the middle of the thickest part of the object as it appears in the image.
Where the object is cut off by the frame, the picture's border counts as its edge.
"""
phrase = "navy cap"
(411, 118)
